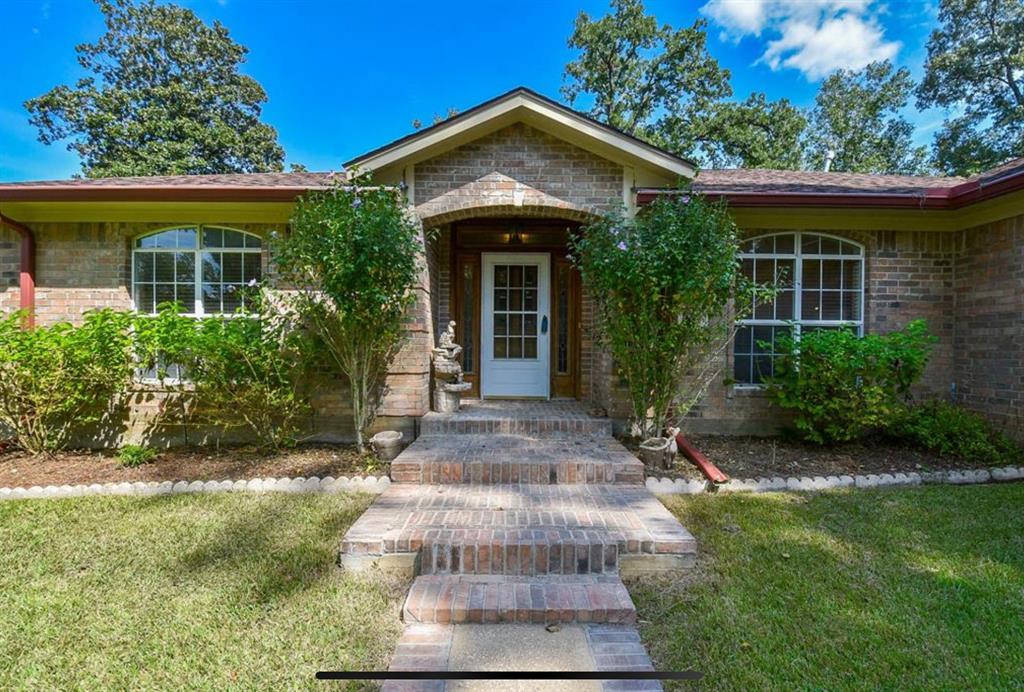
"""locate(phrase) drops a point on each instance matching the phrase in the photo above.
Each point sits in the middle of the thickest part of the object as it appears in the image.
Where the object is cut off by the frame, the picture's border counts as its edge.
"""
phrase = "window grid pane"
(165, 267)
(821, 288)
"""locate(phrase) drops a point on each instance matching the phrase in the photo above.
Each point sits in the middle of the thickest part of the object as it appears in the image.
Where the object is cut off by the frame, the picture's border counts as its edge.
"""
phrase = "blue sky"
(345, 77)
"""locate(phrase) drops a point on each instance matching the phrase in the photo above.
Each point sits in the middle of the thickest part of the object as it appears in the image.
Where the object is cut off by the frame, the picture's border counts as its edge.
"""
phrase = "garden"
(670, 292)
(240, 390)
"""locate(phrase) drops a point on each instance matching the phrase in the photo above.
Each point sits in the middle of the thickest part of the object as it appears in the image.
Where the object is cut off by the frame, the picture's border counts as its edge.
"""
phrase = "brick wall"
(516, 171)
(907, 275)
(85, 266)
(989, 343)
(10, 255)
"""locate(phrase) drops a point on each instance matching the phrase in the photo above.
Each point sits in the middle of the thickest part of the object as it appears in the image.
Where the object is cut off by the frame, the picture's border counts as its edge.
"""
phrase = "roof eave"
(175, 193)
(520, 100)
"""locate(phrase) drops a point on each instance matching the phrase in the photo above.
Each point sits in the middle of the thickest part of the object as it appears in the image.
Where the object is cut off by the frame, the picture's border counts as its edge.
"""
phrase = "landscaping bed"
(767, 457)
(909, 588)
(185, 464)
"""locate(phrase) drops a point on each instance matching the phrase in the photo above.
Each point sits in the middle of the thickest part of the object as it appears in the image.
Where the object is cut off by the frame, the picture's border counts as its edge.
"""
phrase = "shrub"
(950, 430)
(131, 456)
(248, 370)
(842, 386)
(661, 283)
(56, 379)
(353, 256)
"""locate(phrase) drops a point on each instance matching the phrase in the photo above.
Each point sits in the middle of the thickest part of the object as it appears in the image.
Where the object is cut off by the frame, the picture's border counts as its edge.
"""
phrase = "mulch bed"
(193, 464)
(766, 457)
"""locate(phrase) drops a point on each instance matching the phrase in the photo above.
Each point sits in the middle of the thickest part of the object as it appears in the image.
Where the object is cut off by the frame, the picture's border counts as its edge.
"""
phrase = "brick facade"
(516, 171)
(87, 266)
(969, 284)
(907, 275)
(10, 254)
(989, 315)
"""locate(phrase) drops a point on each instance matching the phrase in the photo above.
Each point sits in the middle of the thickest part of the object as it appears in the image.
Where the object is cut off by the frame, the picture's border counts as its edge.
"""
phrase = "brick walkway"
(525, 513)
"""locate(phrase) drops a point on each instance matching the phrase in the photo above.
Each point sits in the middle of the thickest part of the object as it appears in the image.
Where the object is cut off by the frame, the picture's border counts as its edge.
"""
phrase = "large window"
(201, 267)
(820, 282)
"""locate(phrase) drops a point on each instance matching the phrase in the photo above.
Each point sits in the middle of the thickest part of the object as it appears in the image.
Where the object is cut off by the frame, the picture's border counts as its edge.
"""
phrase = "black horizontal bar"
(509, 675)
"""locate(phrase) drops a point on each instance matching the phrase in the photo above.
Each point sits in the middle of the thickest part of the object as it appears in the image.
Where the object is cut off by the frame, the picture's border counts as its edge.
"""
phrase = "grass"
(203, 591)
(894, 588)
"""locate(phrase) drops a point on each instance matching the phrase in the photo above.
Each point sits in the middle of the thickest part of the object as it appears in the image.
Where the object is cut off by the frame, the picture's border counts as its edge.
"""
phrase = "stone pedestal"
(448, 396)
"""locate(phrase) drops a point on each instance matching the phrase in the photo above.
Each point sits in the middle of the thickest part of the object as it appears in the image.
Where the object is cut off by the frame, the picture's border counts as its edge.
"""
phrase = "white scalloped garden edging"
(370, 484)
(679, 486)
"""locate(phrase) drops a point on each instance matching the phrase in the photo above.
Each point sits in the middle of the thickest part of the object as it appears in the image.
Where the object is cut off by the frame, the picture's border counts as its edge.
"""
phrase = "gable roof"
(525, 105)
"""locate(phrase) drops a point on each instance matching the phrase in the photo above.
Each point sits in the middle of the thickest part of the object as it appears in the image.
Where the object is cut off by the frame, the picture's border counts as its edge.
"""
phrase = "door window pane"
(530, 347)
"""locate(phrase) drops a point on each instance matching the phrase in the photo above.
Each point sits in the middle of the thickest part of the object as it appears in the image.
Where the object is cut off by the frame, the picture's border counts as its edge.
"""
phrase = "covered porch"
(518, 305)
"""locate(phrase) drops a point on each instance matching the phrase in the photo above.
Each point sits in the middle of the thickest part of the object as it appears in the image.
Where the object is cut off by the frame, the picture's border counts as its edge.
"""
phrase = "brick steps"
(520, 529)
(538, 600)
(535, 418)
(527, 552)
(504, 459)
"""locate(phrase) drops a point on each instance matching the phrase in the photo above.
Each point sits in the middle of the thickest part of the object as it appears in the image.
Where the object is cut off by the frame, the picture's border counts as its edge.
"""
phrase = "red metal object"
(710, 471)
(27, 269)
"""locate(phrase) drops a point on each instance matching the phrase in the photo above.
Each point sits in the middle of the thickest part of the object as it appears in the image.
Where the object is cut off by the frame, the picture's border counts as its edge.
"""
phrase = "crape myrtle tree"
(663, 282)
(353, 256)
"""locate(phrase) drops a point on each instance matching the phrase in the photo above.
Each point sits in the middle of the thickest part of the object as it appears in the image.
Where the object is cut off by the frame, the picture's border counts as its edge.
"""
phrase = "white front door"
(514, 325)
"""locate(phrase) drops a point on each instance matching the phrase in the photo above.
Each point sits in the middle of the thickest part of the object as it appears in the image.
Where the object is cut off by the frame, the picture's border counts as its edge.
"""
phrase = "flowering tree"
(662, 283)
(352, 257)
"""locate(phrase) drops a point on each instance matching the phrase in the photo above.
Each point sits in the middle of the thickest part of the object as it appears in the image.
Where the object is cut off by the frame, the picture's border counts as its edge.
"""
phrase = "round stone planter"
(387, 444)
(656, 452)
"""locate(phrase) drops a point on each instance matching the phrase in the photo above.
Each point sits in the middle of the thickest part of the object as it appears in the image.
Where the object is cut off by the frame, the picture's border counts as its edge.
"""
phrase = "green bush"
(953, 431)
(354, 254)
(56, 379)
(842, 386)
(131, 456)
(661, 283)
(250, 370)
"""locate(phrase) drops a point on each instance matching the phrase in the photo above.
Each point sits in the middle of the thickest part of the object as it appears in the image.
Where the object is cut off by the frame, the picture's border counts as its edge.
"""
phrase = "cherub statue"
(447, 338)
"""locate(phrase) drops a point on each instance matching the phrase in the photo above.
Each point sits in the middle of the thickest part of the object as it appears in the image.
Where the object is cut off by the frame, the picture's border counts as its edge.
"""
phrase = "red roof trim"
(174, 193)
(938, 198)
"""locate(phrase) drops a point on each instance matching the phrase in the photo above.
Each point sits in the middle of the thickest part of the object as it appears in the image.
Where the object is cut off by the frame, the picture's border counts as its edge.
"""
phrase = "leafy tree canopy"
(856, 115)
(975, 66)
(661, 84)
(163, 97)
(756, 133)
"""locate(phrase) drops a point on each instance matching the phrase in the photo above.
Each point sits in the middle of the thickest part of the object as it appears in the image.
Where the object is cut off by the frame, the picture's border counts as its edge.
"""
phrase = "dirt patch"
(202, 464)
(765, 457)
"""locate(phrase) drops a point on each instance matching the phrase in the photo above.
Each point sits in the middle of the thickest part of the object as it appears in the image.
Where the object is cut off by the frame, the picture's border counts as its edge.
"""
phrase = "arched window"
(200, 267)
(821, 286)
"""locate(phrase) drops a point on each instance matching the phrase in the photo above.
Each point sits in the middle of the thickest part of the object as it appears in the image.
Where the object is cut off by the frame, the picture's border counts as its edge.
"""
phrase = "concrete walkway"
(512, 516)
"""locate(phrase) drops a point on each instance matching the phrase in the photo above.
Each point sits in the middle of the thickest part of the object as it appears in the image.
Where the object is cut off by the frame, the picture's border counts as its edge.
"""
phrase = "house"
(504, 184)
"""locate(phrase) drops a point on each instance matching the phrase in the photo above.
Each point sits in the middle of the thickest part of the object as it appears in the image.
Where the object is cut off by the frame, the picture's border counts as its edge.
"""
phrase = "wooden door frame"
(561, 385)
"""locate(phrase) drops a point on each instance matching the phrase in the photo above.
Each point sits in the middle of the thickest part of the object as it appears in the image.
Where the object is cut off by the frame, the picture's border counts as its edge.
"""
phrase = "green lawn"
(898, 588)
(214, 591)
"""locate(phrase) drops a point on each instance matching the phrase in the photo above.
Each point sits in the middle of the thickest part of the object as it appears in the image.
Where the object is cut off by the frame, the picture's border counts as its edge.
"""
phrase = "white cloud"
(815, 37)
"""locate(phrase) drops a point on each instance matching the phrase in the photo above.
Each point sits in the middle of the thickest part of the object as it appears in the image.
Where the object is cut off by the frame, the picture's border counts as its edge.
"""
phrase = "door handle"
(544, 324)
